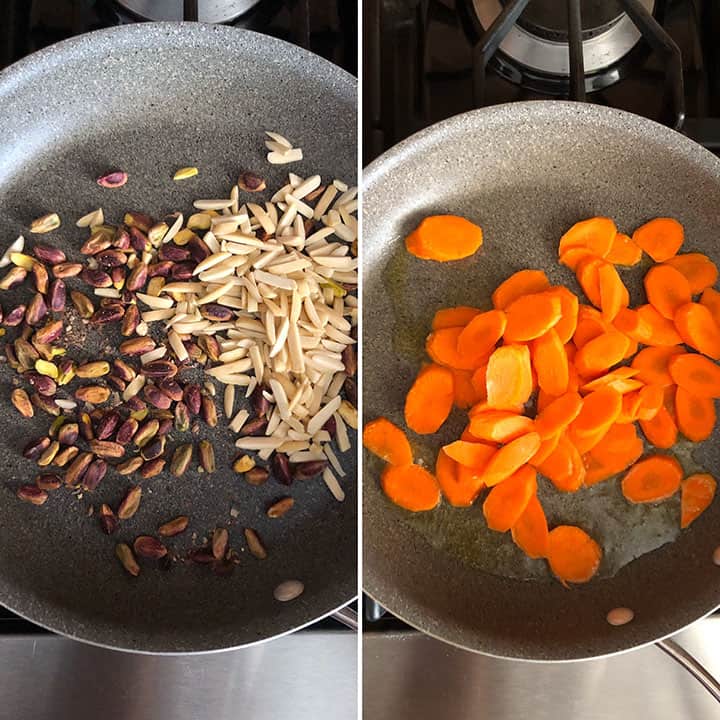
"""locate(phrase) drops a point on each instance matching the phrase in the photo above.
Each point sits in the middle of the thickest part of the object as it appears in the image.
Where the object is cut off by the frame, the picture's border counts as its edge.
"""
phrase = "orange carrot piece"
(564, 467)
(464, 392)
(698, 329)
(547, 448)
(653, 479)
(586, 273)
(471, 454)
(695, 415)
(508, 377)
(573, 256)
(458, 316)
(631, 323)
(574, 557)
(585, 443)
(499, 426)
(459, 492)
(600, 409)
(531, 316)
(696, 493)
(699, 270)
(660, 238)
(480, 335)
(666, 289)
(507, 501)
(662, 329)
(711, 300)
(598, 355)
(557, 415)
(429, 401)
(565, 327)
(631, 403)
(530, 532)
(510, 458)
(613, 294)
(479, 382)
(442, 346)
(617, 379)
(523, 282)
(698, 375)
(652, 364)
(386, 440)
(590, 324)
(650, 400)
(624, 251)
(443, 238)
(619, 449)
(596, 234)
(411, 487)
(550, 362)
(661, 431)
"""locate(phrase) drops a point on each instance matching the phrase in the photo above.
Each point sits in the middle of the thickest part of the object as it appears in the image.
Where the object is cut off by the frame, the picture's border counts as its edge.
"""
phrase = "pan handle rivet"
(620, 616)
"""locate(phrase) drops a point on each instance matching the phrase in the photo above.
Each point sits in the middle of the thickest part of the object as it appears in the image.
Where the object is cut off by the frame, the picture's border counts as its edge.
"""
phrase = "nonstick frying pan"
(525, 172)
(148, 99)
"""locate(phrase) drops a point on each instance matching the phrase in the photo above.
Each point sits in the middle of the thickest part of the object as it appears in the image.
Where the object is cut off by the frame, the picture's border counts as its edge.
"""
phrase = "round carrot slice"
(586, 273)
(523, 282)
(631, 323)
(531, 316)
(510, 458)
(387, 441)
(458, 316)
(652, 365)
(442, 346)
(698, 375)
(662, 330)
(699, 270)
(565, 327)
(478, 338)
(530, 532)
(459, 488)
(411, 487)
(666, 289)
(651, 398)
(443, 238)
(564, 467)
(507, 501)
(653, 479)
(573, 256)
(573, 555)
(660, 238)
(596, 234)
(599, 411)
(598, 355)
(624, 251)
(613, 294)
(711, 300)
(695, 415)
(696, 493)
(429, 401)
(465, 394)
(550, 363)
(661, 430)
(558, 414)
(499, 425)
(509, 377)
(698, 329)
(471, 454)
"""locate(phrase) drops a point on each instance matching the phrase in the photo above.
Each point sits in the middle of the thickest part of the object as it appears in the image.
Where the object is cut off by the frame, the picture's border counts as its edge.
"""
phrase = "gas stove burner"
(210, 11)
(536, 47)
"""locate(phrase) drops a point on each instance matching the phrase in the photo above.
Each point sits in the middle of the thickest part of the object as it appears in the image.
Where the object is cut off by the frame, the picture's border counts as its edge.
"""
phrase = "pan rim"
(377, 172)
(12, 79)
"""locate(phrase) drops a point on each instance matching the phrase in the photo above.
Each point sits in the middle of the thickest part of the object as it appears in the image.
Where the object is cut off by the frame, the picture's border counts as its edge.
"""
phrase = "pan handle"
(346, 616)
(692, 665)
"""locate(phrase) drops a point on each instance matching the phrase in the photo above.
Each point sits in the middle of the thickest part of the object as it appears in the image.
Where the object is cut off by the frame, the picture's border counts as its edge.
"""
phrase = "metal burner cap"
(210, 11)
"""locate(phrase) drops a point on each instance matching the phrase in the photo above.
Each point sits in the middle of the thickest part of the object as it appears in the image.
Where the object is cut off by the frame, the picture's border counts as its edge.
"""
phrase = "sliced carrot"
(653, 479)
(557, 415)
(695, 415)
(619, 449)
(459, 488)
(632, 324)
(550, 362)
(652, 364)
(443, 238)
(666, 289)
(699, 270)
(590, 324)
(480, 335)
(547, 448)
(661, 431)
(631, 403)
(411, 487)
(616, 379)
(573, 256)
(586, 273)
(613, 294)
(499, 425)
(660, 238)
(711, 300)
(471, 454)
(530, 532)
(442, 346)
(387, 441)
(698, 375)
(479, 382)
(429, 401)
(565, 327)
(508, 377)
(564, 467)
(662, 329)
(531, 316)
(458, 316)
(510, 458)
(624, 251)
(698, 329)
(585, 443)
(523, 282)
(596, 234)
(696, 493)
(507, 501)
(464, 393)
(598, 355)
(573, 555)
(650, 400)
(600, 409)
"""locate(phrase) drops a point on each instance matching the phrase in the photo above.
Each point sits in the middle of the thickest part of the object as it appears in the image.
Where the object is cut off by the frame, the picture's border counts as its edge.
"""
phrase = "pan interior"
(149, 99)
(525, 173)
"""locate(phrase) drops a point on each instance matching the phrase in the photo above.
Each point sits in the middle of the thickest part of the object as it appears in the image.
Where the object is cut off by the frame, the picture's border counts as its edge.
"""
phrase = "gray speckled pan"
(525, 172)
(150, 99)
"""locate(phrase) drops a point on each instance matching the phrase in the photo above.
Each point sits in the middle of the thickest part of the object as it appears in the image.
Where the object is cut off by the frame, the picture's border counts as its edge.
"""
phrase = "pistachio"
(309, 469)
(15, 316)
(137, 407)
(182, 417)
(185, 173)
(151, 468)
(25, 353)
(156, 397)
(216, 313)
(171, 389)
(260, 403)
(220, 540)
(68, 433)
(137, 278)
(155, 285)
(256, 426)
(280, 508)
(21, 401)
(108, 521)
(94, 394)
(50, 332)
(161, 369)
(14, 277)
(182, 270)
(174, 527)
(139, 243)
(166, 425)
(112, 180)
(254, 543)
(106, 425)
(157, 233)
(181, 459)
(127, 559)
(56, 426)
(349, 414)
(173, 253)
(66, 455)
(40, 277)
(250, 182)
(281, 468)
(95, 473)
(35, 448)
(243, 464)
(111, 258)
(82, 304)
(130, 503)
(46, 404)
(129, 466)
(123, 370)
(44, 384)
(22, 260)
(66, 270)
(192, 398)
(330, 425)
(146, 432)
(184, 237)
(201, 556)
(49, 455)
(198, 249)
(210, 346)
(32, 494)
(154, 449)
(137, 346)
(45, 224)
(349, 358)
(96, 278)
(57, 296)
(130, 320)
(206, 452)
(350, 388)
(86, 428)
(126, 431)
(117, 274)
(107, 448)
(208, 411)
(48, 481)
(75, 472)
(159, 269)
(94, 369)
(149, 547)
(108, 314)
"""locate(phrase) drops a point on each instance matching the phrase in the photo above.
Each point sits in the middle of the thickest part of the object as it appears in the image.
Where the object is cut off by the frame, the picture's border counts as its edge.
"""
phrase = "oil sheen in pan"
(625, 531)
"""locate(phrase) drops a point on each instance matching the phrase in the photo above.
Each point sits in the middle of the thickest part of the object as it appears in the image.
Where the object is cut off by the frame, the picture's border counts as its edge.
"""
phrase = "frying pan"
(148, 99)
(525, 172)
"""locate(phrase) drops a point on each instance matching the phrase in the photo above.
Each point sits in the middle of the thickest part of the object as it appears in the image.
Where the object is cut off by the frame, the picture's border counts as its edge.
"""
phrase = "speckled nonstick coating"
(150, 98)
(525, 172)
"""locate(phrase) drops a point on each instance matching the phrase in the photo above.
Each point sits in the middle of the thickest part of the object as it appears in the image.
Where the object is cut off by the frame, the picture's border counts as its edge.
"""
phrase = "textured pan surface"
(525, 172)
(150, 99)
